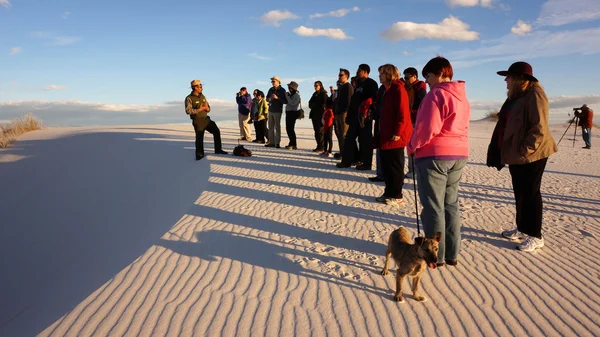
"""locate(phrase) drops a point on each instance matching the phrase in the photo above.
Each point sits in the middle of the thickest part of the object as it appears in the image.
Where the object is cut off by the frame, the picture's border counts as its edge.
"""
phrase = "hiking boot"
(394, 201)
(530, 244)
(587, 147)
(381, 198)
(513, 234)
(220, 152)
(451, 262)
(376, 179)
(342, 165)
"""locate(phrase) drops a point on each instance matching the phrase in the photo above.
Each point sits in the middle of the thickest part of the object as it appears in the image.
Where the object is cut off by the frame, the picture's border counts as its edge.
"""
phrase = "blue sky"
(120, 62)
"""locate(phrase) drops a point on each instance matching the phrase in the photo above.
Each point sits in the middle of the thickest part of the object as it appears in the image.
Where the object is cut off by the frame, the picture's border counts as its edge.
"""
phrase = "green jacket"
(192, 108)
(263, 109)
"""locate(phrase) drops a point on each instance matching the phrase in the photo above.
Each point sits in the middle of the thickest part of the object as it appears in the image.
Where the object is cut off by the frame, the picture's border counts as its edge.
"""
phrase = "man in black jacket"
(340, 110)
(360, 124)
(276, 99)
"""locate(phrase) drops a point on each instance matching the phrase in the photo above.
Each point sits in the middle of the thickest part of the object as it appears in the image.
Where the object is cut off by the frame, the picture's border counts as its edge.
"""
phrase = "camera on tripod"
(576, 109)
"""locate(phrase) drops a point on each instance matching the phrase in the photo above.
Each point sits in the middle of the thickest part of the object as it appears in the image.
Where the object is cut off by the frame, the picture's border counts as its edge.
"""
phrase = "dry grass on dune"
(9, 132)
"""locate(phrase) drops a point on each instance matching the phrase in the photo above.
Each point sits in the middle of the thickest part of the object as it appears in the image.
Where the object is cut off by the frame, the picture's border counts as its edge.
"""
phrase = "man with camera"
(244, 100)
(585, 116)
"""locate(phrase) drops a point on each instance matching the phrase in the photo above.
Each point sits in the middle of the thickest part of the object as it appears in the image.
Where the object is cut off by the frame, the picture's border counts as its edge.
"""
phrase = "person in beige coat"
(522, 141)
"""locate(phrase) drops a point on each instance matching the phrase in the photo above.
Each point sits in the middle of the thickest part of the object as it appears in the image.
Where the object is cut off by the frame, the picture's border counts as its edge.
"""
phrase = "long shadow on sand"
(78, 209)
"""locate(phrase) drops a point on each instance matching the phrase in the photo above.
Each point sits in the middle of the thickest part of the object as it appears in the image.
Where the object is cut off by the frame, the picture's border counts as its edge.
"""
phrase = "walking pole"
(572, 120)
(415, 189)
(575, 134)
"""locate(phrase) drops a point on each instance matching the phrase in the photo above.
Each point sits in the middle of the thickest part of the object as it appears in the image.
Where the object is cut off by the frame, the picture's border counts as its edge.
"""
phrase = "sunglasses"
(341, 75)
(197, 86)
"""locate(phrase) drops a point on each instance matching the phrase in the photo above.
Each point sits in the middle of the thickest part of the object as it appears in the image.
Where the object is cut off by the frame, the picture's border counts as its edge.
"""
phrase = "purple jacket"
(244, 103)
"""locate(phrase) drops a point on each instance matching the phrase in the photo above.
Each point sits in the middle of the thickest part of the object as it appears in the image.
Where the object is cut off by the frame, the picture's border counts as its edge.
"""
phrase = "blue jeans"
(379, 167)
(587, 136)
(437, 182)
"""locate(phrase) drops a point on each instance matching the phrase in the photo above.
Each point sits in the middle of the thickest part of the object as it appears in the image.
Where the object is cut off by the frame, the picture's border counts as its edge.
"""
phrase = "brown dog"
(411, 259)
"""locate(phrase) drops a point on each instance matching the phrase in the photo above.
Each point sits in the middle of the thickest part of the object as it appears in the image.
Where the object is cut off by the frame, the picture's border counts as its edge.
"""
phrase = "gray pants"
(275, 128)
(437, 182)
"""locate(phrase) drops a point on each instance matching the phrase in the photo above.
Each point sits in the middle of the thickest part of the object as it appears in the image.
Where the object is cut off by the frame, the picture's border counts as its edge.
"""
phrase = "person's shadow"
(77, 209)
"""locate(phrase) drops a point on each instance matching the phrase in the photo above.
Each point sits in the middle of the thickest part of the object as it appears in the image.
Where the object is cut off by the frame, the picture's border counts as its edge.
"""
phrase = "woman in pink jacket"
(440, 146)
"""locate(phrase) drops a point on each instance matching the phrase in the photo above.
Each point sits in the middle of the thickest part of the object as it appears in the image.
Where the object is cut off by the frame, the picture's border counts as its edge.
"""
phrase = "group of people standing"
(432, 126)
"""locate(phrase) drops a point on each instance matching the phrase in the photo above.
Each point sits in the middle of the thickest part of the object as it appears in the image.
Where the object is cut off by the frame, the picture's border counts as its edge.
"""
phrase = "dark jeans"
(261, 130)
(341, 128)
(328, 140)
(318, 128)
(364, 150)
(290, 124)
(392, 162)
(526, 180)
(212, 128)
(586, 133)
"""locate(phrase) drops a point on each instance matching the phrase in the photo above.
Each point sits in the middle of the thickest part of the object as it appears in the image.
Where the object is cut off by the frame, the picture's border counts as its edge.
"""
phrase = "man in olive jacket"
(197, 107)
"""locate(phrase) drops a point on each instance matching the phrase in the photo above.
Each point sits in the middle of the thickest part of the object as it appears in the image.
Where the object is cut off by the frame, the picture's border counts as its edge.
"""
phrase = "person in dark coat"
(317, 107)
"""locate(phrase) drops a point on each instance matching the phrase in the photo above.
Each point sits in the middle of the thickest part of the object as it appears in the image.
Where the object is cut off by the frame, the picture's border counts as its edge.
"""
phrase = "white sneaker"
(530, 244)
(513, 234)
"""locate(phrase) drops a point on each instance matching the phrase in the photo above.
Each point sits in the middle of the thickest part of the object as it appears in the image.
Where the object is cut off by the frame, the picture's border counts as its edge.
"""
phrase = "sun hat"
(293, 85)
(519, 68)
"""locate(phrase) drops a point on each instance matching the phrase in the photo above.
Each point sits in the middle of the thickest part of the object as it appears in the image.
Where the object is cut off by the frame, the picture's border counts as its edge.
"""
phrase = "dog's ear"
(438, 236)
(419, 240)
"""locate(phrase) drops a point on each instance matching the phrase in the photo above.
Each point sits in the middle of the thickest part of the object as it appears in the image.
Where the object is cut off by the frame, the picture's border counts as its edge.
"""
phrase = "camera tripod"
(575, 119)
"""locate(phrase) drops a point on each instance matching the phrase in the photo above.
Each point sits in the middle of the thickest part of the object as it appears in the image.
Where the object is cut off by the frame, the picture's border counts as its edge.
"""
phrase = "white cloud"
(562, 12)
(560, 106)
(79, 113)
(337, 13)
(5, 3)
(15, 50)
(66, 15)
(405, 53)
(275, 17)
(450, 28)
(54, 87)
(470, 3)
(333, 33)
(55, 39)
(300, 80)
(260, 57)
(504, 7)
(521, 28)
(537, 44)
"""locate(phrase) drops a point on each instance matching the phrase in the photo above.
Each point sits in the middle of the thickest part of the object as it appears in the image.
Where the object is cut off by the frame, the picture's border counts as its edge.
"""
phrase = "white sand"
(119, 232)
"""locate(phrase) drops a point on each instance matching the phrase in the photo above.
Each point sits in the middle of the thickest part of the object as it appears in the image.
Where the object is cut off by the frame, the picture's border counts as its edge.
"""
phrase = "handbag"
(300, 112)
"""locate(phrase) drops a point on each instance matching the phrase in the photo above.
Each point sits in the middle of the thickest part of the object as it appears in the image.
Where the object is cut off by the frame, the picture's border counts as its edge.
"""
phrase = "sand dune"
(119, 232)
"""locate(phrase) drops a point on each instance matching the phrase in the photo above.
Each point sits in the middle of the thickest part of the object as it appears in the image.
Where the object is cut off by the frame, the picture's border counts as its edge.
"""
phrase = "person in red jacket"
(585, 115)
(395, 130)
(327, 122)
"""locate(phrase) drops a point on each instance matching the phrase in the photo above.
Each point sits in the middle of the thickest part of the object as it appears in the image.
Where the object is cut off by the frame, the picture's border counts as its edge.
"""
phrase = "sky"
(112, 62)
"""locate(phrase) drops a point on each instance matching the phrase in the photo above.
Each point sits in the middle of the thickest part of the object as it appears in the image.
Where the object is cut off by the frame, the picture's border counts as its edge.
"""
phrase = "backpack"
(241, 151)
